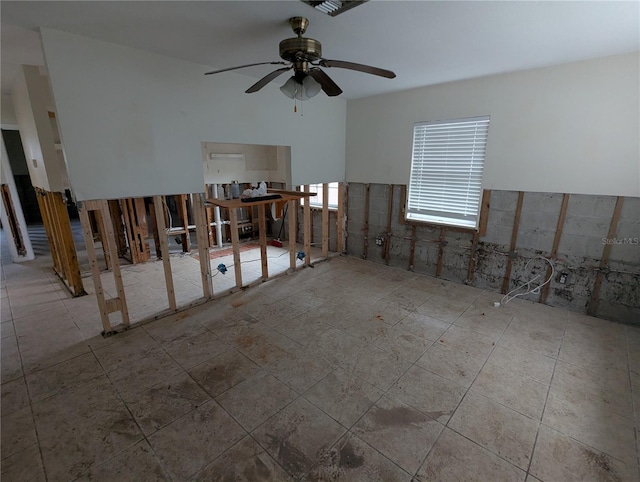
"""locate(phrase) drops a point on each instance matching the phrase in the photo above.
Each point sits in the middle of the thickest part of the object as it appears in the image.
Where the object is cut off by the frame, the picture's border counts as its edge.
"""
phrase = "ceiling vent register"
(334, 7)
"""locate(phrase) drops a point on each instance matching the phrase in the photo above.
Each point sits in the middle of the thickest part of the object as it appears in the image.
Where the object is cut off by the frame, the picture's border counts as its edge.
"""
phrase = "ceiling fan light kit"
(304, 56)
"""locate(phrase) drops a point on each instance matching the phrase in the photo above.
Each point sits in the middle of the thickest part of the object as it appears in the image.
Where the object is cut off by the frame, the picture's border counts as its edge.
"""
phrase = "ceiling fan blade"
(367, 69)
(265, 80)
(243, 66)
(329, 86)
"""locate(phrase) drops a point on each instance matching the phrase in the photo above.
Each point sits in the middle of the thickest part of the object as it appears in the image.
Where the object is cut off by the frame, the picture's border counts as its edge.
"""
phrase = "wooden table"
(291, 198)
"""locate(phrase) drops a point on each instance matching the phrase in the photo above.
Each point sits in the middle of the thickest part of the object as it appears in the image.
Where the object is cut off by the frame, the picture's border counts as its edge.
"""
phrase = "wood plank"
(202, 236)
(403, 204)
(95, 270)
(156, 234)
(512, 246)
(115, 268)
(484, 212)
(235, 244)
(365, 230)
(142, 228)
(158, 205)
(325, 220)
(291, 211)
(441, 244)
(72, 275)
(100, 225)
(12, 218)
(306, 216)
(556, 243)
(262, 230)
(594, 301)
(412, 247)
(387, 239)
(340, 219)
(118, 228)
(47, 228)
(184, 216)
(113, 305)
(129, 230)
(57, 220)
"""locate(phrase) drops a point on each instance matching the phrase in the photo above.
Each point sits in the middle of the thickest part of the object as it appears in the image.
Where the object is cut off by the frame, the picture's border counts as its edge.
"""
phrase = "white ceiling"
(424, 42)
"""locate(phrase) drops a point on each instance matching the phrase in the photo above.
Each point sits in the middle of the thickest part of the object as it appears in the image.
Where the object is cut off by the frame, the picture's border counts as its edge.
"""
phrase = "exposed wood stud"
(262, 230)
(95, 270)
(291, 210)
(202, 236)
(235, 242)
(72, 274)
(118, 228)
(158, 205)
(40, 196)
(412, 249)
(441, 244)
(13, 221)
(556, 243)
(403, 204)
(340, 220)
(325, 220)
(107, 259)
(184, 215)
(592, 308)
(387, 238)
(365, 230)
(142, 228)
(306, 213)
(484, 212)
(512, 246)
(115, 267)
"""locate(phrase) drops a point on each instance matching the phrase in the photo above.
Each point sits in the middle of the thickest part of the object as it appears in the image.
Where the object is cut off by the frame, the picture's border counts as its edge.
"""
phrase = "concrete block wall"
(584, 236)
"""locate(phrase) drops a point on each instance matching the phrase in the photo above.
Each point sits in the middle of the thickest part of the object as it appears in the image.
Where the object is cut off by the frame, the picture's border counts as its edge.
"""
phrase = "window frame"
(317, 188)
(453, 221)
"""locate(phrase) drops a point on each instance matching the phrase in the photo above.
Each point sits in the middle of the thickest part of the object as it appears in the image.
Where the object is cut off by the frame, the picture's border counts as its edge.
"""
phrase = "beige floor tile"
(611, 387)
(558, 457)
(144, 373)
(522, 394)
(297, 436)
(126, 351)
(244, 462)
(161, 404)
(402, 343)
(497, 428)
(302, 330)
(135, 464)
(343, 396)
(192, 351)
(535, 335)
(594, 354)
(457, 458)
(14, 396)
(484, 321)
(64, 375)
(470, 342)
(203, 435)
(592, 423)
(401, 433)
(433, 395)
(351, 459)
(302, 370)
(24, 465)
(524, 362)
(424, 326)
(174, 328)
(443, 307)
(452, 364)
(72, 451)
(377, 367)
(255, 399)
(336, 346)
(18, 432)
(223, 372)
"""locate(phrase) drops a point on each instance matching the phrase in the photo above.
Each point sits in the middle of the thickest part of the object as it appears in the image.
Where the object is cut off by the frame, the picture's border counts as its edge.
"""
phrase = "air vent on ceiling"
(334, 7)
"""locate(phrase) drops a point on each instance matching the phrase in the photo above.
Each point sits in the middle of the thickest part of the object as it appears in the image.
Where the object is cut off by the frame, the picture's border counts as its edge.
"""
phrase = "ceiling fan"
(304, 56)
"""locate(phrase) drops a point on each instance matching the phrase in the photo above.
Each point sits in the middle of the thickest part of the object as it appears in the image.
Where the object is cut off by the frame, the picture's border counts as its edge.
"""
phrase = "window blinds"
(446, 171)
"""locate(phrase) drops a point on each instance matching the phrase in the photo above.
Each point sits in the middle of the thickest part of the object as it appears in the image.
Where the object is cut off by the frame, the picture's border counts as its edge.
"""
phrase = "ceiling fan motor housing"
(300, 49)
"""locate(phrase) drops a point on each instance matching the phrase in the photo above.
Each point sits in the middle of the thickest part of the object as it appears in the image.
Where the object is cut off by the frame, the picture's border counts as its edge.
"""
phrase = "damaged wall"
(583, 238)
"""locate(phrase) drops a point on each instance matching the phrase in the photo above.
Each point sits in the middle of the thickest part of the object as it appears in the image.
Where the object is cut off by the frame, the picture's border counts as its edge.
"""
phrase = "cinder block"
(586, 226)
(631, 209)
(504, 200)
(581, 205)
(604, 206)
(573, 245)
(356, 190)
(552, 203)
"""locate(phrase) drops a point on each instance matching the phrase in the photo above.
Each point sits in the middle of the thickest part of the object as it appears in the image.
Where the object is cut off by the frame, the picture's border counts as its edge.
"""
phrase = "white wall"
(569, 128)
(132, 122)
(32, 101)
(7, 114)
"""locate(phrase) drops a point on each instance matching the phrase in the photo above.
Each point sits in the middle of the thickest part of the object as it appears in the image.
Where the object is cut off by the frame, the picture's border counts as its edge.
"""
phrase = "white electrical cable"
(505, 299)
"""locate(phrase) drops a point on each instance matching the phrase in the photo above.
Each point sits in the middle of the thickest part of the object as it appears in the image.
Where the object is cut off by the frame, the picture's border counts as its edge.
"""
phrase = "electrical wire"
(505, 299)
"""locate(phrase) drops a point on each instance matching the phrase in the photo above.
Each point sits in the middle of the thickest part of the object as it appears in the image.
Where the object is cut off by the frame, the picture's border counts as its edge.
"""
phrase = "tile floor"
(347, 371)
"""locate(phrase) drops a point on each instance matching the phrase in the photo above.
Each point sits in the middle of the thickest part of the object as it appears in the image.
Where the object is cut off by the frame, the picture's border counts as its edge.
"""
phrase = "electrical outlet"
(562, 279)
(379, 241)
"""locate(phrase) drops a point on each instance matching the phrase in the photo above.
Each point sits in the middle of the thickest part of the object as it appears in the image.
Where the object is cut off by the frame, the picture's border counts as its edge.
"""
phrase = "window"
(446, 171)
(316, 201)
